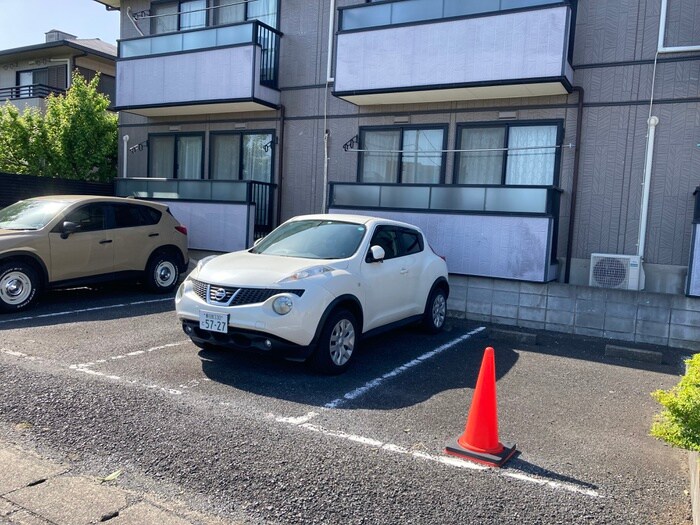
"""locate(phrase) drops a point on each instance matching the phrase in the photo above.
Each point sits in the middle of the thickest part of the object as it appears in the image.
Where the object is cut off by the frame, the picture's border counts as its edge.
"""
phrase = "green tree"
(75, 139)
(24, 145)
(81, 132)
(679, 423)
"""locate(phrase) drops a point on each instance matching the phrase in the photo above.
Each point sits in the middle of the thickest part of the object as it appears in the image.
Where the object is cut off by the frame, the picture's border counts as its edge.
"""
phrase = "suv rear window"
(130, 215)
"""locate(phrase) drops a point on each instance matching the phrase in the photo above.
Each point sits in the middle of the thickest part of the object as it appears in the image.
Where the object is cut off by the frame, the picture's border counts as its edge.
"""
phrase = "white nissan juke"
(313, 287)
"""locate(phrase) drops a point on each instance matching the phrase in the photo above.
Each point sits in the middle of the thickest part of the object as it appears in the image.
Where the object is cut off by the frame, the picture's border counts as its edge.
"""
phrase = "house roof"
(93, 46)
(110, 4)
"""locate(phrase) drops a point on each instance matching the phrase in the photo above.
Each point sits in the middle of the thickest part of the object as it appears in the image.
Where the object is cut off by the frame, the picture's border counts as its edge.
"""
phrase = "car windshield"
(30, 214)
(313, 239)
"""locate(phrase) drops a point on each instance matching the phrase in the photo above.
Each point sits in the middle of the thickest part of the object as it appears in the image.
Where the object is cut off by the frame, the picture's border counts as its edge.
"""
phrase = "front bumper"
(251, 325)
(248, 340)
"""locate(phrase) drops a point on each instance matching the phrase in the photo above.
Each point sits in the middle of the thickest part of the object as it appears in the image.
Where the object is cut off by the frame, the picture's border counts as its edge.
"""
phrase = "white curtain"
(263, 10)
(231, 13)
(257, 163)
(189, 158)
(162, 157)
(225, 156)
(165, 20)
(378, 166)
(531, 166)
(421, 161)
(193, 14)
(481, 167)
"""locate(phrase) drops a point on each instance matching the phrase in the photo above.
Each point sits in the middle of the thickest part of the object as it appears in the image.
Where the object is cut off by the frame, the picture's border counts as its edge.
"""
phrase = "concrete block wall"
(633, 317)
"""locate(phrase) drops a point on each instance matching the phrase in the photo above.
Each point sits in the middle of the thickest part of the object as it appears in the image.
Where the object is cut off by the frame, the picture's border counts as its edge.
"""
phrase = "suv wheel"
(336, 343)
(19, 286)
(435, 311)
(162, 272)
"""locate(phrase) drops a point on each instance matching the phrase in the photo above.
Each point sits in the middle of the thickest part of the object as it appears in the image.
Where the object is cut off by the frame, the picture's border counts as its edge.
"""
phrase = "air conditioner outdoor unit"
(622, 272)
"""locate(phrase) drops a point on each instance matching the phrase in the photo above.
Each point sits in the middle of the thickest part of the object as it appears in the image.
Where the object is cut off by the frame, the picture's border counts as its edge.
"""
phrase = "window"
(175, 156)
(89, 218)
(512, 154)
(241, 156)
(130, 215)
(396, 241)
(168, 17)
(52, 76)
(408, 155)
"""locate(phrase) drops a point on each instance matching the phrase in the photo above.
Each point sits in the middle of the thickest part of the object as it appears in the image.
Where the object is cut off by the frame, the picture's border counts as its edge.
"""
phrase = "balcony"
(33, 95)
(424, 51)
(504, 232)
(221, 69)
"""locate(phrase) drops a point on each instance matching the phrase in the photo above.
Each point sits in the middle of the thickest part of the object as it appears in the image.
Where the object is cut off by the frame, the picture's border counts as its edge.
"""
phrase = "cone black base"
(495, 460)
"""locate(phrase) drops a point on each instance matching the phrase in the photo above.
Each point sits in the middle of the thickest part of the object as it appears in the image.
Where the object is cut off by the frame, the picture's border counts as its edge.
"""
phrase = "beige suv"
(69, 240)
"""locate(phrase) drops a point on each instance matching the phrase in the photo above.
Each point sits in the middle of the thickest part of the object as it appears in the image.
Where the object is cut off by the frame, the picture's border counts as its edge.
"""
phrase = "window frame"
(175, 153)
(558, 123)
(241, 134)
(210, 15)
(403, 128)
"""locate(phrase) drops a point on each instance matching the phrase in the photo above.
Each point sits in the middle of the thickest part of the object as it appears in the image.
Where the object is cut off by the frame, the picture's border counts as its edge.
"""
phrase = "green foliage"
(75, 139)
(679, 423)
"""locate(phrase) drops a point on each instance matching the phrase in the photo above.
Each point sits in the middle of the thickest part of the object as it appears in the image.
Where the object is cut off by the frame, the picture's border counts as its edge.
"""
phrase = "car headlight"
(282, 305)
(306, 273)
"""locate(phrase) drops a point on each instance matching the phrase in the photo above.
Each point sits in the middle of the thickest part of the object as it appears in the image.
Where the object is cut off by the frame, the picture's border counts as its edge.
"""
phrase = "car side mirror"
(376, 254)
(67, 228)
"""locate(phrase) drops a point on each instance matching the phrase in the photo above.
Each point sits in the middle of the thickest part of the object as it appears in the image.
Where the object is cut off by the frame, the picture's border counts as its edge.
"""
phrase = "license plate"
(213, 322)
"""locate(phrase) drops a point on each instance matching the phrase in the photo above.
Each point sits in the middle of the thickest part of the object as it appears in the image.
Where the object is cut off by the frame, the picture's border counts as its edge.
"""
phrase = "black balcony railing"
(261, 194)
(393, 12)
(29, 91)
(251, 32)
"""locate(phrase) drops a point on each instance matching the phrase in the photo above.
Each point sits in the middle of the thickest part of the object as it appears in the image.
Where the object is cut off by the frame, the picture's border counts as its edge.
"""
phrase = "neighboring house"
(28, 75)
(513, 131)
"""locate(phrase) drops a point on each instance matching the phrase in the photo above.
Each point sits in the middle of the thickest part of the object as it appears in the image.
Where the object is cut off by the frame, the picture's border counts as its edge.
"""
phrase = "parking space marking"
(87, 368)
(374, 383)
(82, 310)
(451, 461)
(21, 355)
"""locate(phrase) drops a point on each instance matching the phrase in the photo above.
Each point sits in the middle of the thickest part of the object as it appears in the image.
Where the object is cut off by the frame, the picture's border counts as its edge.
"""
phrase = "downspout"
(652, 122)
(574, 183)
(329, 79)
(280, 150)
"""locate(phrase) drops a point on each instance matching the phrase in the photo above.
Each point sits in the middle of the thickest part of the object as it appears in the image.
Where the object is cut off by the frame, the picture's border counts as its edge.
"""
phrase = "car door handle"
(106, 241)
(153, 234)
(404, 271)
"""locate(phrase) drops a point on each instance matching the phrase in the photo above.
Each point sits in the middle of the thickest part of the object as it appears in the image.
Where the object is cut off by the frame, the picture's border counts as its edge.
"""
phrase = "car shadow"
(456, 367)
(116, 300)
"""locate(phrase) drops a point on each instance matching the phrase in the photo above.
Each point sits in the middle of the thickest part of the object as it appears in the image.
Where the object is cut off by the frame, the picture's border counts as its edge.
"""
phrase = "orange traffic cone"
(480, 439)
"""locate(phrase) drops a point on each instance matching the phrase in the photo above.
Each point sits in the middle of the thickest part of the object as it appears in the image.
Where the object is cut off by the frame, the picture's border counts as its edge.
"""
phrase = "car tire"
(162, 272)
(435, 311)
(336, 344)
(19, 286)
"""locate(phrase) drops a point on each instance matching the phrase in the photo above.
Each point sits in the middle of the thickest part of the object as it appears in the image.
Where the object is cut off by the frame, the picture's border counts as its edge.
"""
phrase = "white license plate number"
(213, 322)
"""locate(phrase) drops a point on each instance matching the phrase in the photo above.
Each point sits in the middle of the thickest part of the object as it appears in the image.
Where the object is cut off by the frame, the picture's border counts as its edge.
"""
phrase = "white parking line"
(87, 368)
(94, 309)
(451, 461)
(374, 383)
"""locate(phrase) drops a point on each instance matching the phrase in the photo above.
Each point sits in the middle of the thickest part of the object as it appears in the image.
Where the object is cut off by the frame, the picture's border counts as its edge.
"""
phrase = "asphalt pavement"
(108, 412)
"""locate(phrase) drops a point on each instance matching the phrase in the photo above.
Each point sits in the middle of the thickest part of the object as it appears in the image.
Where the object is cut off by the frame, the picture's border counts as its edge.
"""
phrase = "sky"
(24, 22)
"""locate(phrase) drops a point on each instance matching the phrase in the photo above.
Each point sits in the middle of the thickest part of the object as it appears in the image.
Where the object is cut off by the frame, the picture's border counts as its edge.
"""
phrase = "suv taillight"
(181, 229)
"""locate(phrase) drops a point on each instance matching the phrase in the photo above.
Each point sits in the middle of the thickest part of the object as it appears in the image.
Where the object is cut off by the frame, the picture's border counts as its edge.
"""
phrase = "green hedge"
(679, 423)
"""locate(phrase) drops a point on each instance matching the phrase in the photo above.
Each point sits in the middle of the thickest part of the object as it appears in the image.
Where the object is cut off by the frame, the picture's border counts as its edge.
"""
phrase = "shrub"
(679, 423)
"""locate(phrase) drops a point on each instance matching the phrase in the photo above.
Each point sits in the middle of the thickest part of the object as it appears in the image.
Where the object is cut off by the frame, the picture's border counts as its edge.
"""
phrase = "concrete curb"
(42, 492)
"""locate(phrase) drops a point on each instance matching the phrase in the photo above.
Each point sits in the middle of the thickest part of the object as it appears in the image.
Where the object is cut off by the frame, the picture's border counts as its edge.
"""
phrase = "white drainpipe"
(653, 121)
(125, 138)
